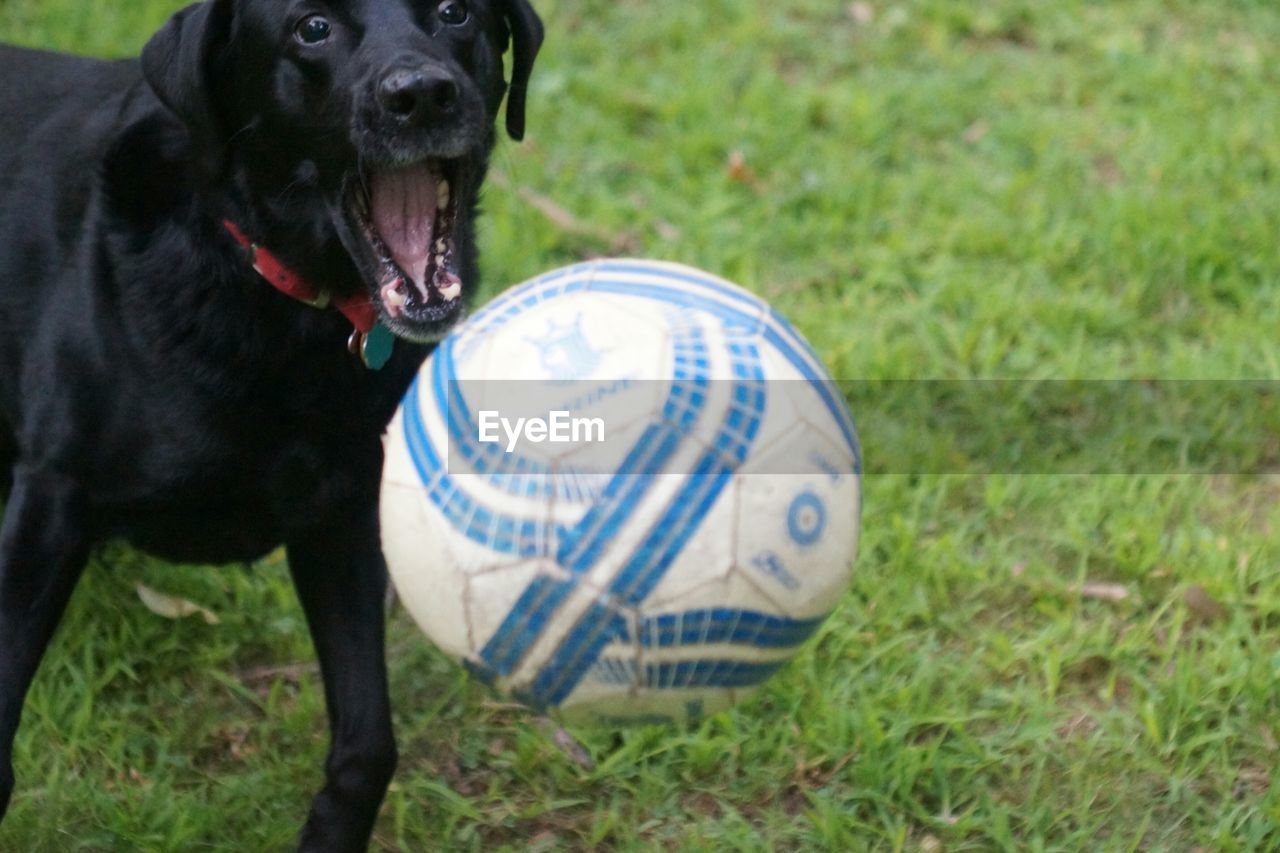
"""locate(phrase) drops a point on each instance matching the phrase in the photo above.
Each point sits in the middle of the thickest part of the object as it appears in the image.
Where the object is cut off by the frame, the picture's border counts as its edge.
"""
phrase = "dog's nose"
(420, 95)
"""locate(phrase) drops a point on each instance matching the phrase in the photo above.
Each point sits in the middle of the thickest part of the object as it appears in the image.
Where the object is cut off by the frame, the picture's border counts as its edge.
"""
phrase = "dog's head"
(366, 120)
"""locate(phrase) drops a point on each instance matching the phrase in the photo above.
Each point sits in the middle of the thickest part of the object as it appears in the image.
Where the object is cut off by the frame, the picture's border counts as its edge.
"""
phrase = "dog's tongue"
(403, 203)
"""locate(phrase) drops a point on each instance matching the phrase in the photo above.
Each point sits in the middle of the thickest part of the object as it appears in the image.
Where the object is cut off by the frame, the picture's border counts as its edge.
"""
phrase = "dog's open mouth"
(409, 215)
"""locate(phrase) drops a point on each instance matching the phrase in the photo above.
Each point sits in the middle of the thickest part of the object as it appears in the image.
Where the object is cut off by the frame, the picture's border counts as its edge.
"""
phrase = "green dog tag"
(375, 349)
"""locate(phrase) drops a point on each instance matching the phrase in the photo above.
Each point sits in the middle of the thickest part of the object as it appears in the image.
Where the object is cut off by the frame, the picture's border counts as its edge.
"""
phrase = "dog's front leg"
(44, 544)
(341, 581)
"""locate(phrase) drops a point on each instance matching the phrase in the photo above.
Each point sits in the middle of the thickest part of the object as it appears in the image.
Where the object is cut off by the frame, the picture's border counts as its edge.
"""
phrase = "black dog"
(155, 387)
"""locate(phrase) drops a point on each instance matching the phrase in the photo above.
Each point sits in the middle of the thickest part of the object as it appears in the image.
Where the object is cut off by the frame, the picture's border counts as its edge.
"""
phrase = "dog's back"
(60, 114)
(40, 85)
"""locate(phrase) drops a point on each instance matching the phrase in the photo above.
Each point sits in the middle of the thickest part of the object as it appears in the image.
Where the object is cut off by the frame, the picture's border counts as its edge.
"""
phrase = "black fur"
(154, 387)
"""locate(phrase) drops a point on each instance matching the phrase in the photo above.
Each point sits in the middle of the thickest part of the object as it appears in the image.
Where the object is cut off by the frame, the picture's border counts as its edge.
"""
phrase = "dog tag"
(376, 346)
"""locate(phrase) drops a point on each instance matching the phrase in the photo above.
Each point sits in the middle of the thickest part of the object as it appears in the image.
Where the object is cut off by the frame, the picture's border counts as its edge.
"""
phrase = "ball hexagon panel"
(580, 336)
(707, 555)
(421, 565)
(493, 594)
(797, 521)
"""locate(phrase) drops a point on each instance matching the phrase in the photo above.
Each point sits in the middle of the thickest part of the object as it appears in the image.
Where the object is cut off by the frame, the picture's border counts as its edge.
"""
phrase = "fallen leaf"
(976, 132)
(621, 243)
(173, 608)
(1105, 591)
(544, 839)
(1108, 170)
(930, 844)
(570, 745)
(739, 171)
(292, 673)
(862, 12)
(1082, 724)
(557, 215)
(574, 750)
(1202, 604)
(235, 743)
(1251, 780)
(666, 230)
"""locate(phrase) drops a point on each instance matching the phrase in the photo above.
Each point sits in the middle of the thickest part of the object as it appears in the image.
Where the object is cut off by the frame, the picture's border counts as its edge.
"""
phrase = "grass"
(929, 190)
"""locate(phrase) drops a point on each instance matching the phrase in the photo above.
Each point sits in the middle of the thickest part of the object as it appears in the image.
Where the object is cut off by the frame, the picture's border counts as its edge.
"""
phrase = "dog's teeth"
(441, 245)
(394, 297)
(448, 285)
(442, 195)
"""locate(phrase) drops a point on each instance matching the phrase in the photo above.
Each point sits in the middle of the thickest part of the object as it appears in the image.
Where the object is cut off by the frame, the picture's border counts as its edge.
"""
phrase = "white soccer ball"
(624, 492)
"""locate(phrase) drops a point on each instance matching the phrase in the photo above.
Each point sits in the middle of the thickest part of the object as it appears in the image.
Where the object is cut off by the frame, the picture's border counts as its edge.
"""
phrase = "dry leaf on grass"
(976, 132)
(568, 744)
(1105, 591)
(562, 219)
(1107, 170)
(739, 171)
(173, 608)
(292, 673)
(862, 12)
(930, 844)
(1203, 605)
(666, 230)
(1251, 780)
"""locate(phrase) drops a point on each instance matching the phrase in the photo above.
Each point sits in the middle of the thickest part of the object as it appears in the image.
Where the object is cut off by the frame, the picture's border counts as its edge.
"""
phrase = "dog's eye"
(312, 30)
(453, 12)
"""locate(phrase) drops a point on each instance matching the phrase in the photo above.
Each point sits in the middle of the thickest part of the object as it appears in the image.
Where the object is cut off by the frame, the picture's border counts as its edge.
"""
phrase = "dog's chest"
(235, 503)
(231, 482)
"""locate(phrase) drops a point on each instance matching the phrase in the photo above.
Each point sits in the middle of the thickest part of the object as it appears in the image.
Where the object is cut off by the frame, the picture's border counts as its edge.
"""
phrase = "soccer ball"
(624, 492)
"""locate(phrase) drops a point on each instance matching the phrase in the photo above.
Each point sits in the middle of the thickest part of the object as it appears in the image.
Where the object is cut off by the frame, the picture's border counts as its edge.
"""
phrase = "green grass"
(948, 190)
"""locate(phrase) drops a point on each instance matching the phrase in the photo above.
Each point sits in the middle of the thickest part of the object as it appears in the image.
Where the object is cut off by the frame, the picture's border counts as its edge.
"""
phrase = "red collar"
(357, 308)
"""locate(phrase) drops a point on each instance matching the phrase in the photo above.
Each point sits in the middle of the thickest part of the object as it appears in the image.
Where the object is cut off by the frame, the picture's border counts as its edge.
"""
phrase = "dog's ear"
(177, 62)
(526, 38)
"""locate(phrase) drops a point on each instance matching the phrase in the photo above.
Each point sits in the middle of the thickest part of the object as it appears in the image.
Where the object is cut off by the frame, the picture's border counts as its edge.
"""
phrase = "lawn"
(929, 190)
